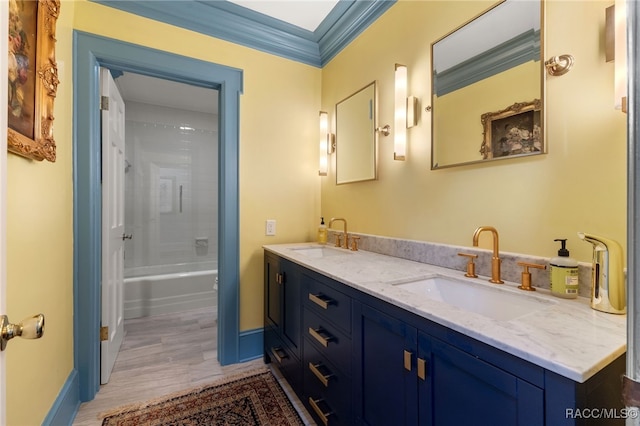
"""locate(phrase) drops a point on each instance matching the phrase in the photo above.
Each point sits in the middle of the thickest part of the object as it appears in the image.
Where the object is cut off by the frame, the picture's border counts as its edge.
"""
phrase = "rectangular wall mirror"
(487, 87)
(356, 138)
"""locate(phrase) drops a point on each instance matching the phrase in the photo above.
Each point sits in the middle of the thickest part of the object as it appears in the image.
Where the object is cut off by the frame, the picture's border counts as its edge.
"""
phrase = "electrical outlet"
(270, 228)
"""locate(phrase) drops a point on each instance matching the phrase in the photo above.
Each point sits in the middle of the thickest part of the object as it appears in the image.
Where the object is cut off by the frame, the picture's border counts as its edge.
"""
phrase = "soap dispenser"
(608, 293)
(563, 273)
(322, 232)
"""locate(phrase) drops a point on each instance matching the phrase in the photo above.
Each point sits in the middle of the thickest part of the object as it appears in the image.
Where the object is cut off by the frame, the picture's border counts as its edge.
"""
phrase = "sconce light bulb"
(324, 144)
(400, 116)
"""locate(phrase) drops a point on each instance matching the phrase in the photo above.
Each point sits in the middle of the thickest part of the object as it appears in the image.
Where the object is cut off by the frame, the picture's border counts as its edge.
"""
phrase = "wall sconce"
(405, 113)
(327, 143)
(616, 49)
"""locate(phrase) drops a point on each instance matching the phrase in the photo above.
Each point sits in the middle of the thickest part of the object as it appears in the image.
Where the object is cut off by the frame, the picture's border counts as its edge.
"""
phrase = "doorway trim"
(90, 53)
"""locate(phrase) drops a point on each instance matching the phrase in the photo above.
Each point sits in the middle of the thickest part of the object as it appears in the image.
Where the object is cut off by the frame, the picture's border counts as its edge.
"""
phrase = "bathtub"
(163, 289)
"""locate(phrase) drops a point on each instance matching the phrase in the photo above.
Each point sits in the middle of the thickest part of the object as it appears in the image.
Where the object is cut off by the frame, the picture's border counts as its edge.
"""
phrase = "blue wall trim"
(237, 24)
(251, 344)
(91, 52)
(66, 405)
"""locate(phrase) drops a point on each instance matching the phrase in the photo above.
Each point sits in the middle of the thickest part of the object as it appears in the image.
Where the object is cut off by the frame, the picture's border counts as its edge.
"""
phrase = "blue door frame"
(90, 53)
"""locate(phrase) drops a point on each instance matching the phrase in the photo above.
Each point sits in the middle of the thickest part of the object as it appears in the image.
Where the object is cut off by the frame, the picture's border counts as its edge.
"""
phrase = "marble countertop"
(565, 336)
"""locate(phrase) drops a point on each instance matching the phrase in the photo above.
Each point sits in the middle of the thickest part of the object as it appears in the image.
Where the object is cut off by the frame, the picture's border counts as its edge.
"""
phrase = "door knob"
(28, 328)
(127, 236)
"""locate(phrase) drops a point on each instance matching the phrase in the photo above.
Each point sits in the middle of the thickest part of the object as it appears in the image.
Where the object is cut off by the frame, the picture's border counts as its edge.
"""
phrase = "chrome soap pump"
(608, 293)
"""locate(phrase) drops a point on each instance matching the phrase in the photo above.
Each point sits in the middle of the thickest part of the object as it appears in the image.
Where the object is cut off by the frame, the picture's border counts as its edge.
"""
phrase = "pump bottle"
(563, 273)
(322, 232)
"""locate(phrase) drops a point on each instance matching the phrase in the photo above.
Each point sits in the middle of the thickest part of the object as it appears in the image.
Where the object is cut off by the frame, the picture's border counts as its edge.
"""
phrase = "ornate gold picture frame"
(33, 78)
(513, 131)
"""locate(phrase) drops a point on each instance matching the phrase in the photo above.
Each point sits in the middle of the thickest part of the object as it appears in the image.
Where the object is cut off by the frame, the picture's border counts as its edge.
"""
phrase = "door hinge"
(104, 333)
(104, 103)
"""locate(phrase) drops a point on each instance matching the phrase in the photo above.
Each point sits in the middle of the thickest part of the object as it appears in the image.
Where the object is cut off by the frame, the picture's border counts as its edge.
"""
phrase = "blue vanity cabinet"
(282, 318)
(353, 358)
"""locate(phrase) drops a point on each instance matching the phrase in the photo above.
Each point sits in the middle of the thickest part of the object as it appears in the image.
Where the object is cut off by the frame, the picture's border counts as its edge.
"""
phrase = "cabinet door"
(272, 291)
(462, 389)
(387, 376)
(292, 305)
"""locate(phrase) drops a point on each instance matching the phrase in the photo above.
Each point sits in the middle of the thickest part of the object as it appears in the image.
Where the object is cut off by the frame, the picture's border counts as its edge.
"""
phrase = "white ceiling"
(306, 14)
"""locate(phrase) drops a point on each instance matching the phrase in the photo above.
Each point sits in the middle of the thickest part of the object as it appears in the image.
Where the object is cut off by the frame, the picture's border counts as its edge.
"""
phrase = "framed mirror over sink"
(356, 137)
(488, 87)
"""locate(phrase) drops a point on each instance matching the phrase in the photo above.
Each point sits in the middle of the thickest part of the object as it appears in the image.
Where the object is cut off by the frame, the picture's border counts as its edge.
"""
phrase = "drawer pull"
(279, 354)
(324, 378)
(323, 416)
(321, 300)
(318, 335)
(407, 360)
(422, 369)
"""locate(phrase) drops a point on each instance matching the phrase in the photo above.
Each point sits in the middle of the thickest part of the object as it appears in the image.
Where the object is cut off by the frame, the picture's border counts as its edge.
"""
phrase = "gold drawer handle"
(324, 378)
(320, 300)
(407, 360)
(277, 356)
(323, 416)
(324, 340)
(422, 369)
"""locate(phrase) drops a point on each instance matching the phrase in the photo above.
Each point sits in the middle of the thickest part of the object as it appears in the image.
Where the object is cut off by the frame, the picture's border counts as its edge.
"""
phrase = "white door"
(4, 51)
(112, 224)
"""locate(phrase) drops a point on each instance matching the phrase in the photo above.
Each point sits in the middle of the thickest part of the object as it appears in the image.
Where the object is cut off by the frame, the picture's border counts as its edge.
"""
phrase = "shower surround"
(171, 209)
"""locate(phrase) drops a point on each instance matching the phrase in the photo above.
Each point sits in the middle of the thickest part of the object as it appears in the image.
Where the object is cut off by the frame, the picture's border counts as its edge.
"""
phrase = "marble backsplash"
(446, 256)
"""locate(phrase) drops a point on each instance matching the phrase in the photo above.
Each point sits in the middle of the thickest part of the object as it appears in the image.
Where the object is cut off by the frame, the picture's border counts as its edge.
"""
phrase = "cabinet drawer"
(328, 302)
(283, 358)
(328, 340)
(324, 380)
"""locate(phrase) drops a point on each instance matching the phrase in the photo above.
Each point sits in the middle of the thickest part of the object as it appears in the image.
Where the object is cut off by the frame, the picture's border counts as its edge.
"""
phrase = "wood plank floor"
(164, 354)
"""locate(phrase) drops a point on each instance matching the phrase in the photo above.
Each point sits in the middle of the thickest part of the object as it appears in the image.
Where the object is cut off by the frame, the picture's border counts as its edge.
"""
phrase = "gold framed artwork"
(513, 131)
(33, 78)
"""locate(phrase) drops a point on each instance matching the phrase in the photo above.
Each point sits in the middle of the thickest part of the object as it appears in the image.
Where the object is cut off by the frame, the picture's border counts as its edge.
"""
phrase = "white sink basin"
(319, 251)
(492, 303)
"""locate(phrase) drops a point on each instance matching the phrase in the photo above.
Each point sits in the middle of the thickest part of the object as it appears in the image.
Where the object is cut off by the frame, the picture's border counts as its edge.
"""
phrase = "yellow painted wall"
(580, 185)
(40, 257)
(278, 180)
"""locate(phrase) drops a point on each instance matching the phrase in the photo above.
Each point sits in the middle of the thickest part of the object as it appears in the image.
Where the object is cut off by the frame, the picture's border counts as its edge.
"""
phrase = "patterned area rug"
(255, 398)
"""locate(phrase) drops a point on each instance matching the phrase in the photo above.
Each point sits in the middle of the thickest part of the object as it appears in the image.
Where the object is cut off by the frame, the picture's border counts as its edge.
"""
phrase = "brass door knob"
(29, 328)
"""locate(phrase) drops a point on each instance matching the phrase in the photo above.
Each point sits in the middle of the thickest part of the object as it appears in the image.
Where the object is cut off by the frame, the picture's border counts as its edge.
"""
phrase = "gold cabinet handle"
(324, 378)
(407, 360)
(323, 416)
(277, 356)
(321, 300)
(422, 369)
(323, 340)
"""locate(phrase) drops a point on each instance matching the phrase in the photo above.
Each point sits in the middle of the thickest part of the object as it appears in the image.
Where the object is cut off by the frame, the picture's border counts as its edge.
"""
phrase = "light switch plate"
(270, 228)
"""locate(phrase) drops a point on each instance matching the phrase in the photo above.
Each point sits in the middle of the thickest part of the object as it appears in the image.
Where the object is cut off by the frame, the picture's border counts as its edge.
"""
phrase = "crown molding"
(231, 22)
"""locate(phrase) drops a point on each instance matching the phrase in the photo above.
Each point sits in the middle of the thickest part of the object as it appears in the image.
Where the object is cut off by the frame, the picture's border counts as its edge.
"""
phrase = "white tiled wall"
(169, 149)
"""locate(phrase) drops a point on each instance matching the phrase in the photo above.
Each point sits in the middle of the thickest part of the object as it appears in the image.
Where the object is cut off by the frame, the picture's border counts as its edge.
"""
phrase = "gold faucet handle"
(338, 240)
(526, 275)
(354, 243)
(471, 267)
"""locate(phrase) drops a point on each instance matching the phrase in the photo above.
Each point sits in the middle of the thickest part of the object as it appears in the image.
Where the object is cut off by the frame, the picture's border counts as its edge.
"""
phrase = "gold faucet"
(495, 259)
(346, 235)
